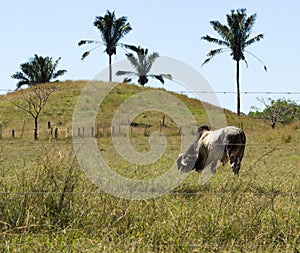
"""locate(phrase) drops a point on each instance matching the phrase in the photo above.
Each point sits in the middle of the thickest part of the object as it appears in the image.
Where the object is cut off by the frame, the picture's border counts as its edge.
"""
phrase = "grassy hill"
(60, 107)
(48, 204)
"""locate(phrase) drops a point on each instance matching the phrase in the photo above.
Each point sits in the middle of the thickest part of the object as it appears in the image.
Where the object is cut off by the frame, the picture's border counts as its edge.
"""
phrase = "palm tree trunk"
(110, 68)
(238, 87)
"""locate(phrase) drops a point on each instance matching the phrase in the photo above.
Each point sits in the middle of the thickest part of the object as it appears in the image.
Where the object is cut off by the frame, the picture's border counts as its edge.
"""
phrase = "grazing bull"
(209, 147)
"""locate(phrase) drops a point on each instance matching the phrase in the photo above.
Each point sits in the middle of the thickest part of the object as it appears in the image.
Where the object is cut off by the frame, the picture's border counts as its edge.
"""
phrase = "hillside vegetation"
(48, 204)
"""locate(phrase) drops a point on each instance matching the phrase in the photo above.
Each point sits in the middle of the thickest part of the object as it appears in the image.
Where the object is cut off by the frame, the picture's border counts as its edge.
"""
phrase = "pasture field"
(47, 204)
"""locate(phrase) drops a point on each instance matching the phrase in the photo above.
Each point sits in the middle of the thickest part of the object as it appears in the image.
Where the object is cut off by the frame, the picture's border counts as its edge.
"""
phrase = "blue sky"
(171, 28)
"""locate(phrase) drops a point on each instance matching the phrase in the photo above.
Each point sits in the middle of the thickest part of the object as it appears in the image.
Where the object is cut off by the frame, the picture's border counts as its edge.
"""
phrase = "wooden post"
(56, 133)
(82, 131)
(112, 130)
(145, 130)
(78, 131)
(179, 131)
(92, 132)
(49, 124)
(163, 119)
(0, 131)
(13, 133)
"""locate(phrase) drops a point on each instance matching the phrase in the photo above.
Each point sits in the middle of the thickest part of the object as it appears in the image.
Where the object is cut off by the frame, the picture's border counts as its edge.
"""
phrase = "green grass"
(47, 204)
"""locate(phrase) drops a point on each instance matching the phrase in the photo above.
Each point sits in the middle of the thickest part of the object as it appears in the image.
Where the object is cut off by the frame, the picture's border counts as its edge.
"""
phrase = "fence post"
(13, 133)
(56, 133)
(160, 126)
(92, 131)
(113, 130)
(179, 131)
(0, 131)
(78, 131)
(49, 124)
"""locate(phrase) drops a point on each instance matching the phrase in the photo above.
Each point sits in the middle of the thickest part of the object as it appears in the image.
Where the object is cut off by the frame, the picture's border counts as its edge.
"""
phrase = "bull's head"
(195, 156)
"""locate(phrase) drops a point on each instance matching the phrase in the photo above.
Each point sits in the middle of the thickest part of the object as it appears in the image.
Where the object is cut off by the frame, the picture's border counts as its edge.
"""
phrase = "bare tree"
(33, 102)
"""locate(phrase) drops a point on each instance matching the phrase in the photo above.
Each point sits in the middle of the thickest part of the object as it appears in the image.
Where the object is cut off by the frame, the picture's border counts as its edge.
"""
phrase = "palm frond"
(19, 75)
(249, 23)
(206, 61)
(214, 52)
(254, 39)
(21, 83)
(150, 60)
(134, 62)
(87, 53)
(215, 40)
(126, 80)
(167, 76)
(223, 30)
(123, 72)
(83, 42)
(265, 67)
(84, 55)
(159, 77)
(131, 47)
(59, 73)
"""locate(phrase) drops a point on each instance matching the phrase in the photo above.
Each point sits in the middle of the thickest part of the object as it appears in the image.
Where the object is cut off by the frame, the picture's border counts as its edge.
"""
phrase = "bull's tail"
(243, 140)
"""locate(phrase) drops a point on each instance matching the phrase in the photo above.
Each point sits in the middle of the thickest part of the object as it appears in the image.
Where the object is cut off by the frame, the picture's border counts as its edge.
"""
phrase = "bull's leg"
(230, 153)
(224, 159)
(213, 166)
(235, 163)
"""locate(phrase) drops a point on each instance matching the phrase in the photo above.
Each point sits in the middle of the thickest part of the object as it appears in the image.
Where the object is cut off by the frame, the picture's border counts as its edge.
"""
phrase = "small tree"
(33, 102)
(279, 110)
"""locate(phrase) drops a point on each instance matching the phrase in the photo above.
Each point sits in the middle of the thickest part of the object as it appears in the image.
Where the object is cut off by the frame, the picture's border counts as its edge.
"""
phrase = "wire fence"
(64, 135)
(257, 92)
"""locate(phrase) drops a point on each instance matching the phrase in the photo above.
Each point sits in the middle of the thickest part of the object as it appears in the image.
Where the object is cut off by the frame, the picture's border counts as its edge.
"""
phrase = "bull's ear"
(202, 128)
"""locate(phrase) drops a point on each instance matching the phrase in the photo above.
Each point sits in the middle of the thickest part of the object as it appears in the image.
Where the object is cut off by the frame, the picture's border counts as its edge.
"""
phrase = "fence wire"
(187, 91)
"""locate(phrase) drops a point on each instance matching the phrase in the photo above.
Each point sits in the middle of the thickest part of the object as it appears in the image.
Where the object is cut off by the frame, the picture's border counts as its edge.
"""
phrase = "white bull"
(209, 147)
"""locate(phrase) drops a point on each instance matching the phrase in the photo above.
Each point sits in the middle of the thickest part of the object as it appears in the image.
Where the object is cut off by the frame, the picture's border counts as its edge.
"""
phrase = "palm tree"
(37, 70)
(142, 64)
(235, 37)
(112, 30)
